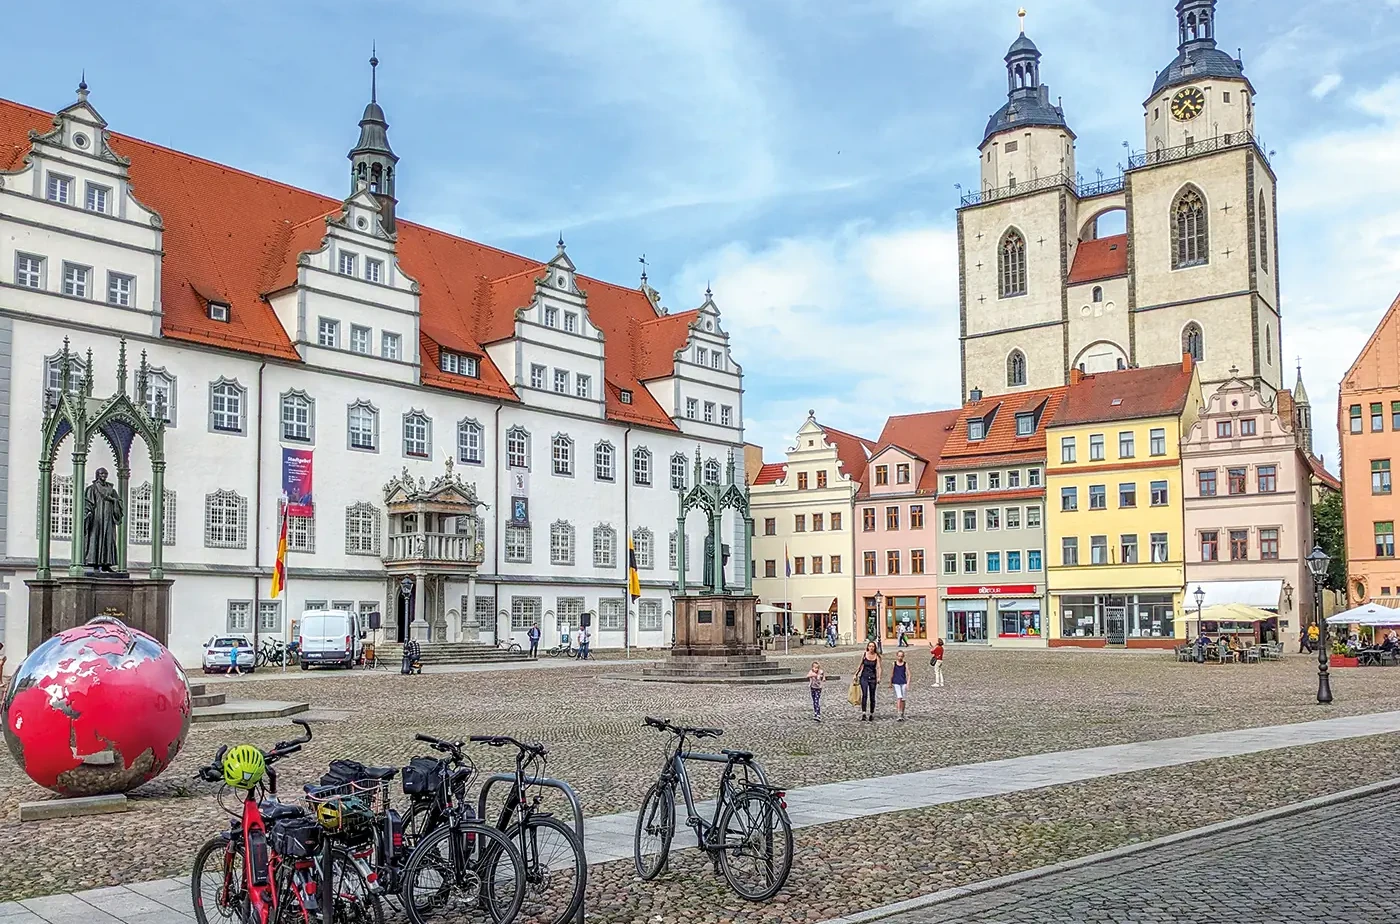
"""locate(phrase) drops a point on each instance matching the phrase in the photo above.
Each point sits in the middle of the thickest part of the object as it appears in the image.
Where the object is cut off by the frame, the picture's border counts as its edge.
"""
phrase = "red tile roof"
(1001, 439)
(922, 435)
(235, 236)
(1103, 258)
(1127, 394)
(1322, 474)
(852, 451)
(771, 473)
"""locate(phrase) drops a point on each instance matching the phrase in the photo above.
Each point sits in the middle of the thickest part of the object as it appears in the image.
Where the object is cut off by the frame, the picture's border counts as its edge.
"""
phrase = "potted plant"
(1341, 656)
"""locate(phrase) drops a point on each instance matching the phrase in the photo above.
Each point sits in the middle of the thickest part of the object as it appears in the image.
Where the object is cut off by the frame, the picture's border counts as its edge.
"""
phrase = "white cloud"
(856, 325)
(1326, 85)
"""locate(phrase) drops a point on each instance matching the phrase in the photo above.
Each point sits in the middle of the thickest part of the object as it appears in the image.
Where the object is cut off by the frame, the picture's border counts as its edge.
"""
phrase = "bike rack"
(548, 783)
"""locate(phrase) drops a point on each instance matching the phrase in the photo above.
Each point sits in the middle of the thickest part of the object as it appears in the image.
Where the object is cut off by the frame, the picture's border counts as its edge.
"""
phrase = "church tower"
(372, 161)
(1302, 415)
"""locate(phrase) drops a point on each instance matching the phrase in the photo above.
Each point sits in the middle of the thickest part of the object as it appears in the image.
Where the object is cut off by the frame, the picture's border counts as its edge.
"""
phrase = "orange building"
(1368, 423)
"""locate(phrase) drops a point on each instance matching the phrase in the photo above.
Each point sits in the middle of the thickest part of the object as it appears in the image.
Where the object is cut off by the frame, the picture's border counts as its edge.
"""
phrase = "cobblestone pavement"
(998, 704)
(1334, 863)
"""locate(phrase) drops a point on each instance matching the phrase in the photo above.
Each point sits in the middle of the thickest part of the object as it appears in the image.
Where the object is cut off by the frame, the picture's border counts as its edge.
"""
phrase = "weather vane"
(1021, 14)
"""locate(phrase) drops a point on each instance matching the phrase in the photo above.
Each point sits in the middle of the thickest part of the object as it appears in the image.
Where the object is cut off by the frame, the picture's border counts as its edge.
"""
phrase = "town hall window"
(1016, 368)
(1190, 238)
(1193, 341)
(1012, 264)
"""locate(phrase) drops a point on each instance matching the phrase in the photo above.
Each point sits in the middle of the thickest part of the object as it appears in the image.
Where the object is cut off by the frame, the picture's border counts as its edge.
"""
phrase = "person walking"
(935, 658)
(534, 636)
(902, 640)
(233, 660)
(584, 637)
(899, 683)
(1314, 636)
(412, 651)
(816, 679)
(871, 669)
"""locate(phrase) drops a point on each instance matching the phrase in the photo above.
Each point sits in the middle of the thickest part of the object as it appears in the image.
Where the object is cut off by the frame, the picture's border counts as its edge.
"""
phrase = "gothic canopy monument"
(96, 581)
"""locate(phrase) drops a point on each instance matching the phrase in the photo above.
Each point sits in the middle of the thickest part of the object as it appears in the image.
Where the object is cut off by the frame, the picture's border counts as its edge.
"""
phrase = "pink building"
(1248, 511)
(895, 529)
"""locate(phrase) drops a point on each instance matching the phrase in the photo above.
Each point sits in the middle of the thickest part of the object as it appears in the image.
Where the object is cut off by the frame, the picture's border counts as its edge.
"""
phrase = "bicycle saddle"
(736, 754)
(380, 773)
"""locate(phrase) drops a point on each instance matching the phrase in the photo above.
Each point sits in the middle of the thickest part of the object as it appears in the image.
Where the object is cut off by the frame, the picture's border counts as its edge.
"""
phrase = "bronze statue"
(713, 584)
(102, 511)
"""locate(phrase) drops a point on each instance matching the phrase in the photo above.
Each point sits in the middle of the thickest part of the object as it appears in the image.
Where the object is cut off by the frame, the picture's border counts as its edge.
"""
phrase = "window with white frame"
(59, 189)
(469, 442)
(417, 435)
(561, 543)
(649, 616)
(75, 280)
(711, 471)
(120, 289)
(562, 453)
(240, 616)
(225, 520)
(644, 546)
(141, 516)
(604, 461)
(347, 263)
(568, 610)
(29, 271)
(96, 200)
(218, 311)
(359, 339)
(298, 420)
(641, 467)
(561, 381)
(571, 322)
(678, 471)
(362, 426)
(524, 613)
(726, 416)
(160, 395)
(709, 412)
(328, 332)
(538, 374)
(374, 270)
(518, 543)
(517, 448)
(389, 345)
(53, 377)
(226, 407)
(459, 364)
(551, 317)
(583, 386)
(604, 546)
(301, 534)
(716, 359)
(270, 617)
(692, 408)
(61, 506)
(673, 550)
(611, 614)
(362, 529)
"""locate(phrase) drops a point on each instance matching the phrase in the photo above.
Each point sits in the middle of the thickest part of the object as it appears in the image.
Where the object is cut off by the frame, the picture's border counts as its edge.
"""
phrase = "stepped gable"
(923, 435)
(233, 236)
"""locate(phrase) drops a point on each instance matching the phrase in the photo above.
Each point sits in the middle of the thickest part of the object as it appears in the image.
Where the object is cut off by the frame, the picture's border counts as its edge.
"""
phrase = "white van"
(329, 637)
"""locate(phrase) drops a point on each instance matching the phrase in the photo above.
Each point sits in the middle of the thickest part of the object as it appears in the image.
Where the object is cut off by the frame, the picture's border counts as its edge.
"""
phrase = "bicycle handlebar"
(214, 772)
(496, 741)
(682, 730)
(446, 747)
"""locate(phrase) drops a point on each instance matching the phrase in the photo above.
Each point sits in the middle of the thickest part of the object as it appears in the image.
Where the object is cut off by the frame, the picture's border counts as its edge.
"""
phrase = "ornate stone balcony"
(434, 549)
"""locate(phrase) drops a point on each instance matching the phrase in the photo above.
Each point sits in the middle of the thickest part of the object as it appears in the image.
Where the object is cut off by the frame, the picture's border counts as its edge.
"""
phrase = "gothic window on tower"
(1263, 233)
(1193, 341)
(1016, 368)
(1190, 238)
(1012, 264)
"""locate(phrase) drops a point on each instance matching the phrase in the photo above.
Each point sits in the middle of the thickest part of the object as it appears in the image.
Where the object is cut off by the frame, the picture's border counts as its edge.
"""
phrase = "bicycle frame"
(675, 770)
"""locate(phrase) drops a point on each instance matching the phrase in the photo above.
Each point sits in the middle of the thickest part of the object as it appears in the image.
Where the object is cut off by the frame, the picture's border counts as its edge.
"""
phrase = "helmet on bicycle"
(244, 767)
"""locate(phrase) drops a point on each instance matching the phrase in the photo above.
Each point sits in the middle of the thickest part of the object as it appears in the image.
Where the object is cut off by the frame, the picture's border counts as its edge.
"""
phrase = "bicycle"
(556, 871)
(460, 867)
(508, 644)
(273, 652)
(563, 649)
(750, 823)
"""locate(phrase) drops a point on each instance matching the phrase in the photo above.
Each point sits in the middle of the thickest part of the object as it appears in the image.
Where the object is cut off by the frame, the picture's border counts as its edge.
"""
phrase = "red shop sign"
(993, 590)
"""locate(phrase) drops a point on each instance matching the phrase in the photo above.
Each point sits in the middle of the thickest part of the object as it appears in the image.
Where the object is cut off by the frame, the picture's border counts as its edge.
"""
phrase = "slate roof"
(1026, 107)
(1103, 258)
(1126, 394)
(1197, 62)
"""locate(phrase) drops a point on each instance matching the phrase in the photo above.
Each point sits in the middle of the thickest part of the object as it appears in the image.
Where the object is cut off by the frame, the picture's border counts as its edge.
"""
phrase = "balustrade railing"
(432, 547)
(1203, 146)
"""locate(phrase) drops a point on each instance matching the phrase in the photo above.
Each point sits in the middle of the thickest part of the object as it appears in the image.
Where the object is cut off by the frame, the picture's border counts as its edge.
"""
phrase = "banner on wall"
(296, 482)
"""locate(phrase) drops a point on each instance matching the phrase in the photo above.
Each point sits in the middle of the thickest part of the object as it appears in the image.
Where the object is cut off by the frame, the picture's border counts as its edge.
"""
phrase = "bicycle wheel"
(482, 880)
(756, 856)
(217, 885)
(513, 646)
(355, 901)
(555, 870)
(656, 825)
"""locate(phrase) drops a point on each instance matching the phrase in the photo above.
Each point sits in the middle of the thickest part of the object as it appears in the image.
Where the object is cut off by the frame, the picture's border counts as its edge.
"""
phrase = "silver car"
(219, 649)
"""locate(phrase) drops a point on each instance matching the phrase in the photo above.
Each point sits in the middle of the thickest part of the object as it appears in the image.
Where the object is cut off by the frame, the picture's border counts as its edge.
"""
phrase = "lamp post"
(1318, 561)
(877, 630)
(1200, 596)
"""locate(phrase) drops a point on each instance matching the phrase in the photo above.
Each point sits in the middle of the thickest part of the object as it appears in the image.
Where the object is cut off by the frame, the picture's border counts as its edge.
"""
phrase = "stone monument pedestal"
(717, 642)
(65, 602)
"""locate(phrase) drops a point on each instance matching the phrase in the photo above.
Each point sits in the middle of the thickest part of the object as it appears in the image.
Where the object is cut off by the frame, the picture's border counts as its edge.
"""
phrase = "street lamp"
(1318, 561)
(876, 631)
(1200, 596)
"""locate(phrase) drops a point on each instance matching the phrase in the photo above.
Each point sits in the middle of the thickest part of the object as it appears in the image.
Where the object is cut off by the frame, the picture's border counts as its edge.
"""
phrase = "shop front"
(905, 614)
(994, 614)
(1120, 620)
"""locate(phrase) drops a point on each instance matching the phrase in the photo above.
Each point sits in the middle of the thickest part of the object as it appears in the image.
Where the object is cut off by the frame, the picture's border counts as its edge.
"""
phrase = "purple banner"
(296, 481)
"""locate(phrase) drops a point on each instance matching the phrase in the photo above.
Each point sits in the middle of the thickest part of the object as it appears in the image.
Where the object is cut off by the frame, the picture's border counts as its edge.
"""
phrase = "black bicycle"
(749, 837)
(460, 870)
(556, 871)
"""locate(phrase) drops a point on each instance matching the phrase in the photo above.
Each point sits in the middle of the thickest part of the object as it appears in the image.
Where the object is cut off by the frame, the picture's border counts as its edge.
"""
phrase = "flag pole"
(787, 598)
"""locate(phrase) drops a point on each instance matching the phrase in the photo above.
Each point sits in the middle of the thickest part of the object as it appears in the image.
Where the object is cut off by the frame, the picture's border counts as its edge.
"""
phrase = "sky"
(801, 158)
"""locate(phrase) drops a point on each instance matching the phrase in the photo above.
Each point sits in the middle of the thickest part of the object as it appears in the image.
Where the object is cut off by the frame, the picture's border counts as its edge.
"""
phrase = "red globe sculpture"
(98, 709)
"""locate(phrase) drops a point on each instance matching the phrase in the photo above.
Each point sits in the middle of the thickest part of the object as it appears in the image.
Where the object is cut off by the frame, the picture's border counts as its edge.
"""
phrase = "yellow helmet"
(244, 767)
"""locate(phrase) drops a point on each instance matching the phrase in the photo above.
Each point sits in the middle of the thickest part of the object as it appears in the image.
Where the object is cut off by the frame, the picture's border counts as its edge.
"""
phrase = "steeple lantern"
(372, 161)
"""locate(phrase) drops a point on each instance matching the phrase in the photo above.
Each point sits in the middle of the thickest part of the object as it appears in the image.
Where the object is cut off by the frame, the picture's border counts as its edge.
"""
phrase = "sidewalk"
(609, 837)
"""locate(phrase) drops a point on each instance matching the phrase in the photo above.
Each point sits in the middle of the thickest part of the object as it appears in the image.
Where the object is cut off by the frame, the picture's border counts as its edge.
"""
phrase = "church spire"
(372, 161)
(1302, 413)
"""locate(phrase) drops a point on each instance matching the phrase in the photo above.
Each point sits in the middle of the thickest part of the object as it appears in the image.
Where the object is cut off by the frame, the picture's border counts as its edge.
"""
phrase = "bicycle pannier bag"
(422, 776)
(296, 837)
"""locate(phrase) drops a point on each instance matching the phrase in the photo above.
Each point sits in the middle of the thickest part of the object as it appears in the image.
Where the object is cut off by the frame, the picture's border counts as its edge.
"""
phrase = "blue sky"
(798, 156)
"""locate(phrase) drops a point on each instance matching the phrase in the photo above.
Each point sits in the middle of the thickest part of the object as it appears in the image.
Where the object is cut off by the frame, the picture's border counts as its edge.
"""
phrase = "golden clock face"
(1188, 104)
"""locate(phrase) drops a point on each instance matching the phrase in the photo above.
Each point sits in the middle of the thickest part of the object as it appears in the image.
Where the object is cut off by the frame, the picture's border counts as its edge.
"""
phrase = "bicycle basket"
(296, 838)
(345, 809)
(423, 776)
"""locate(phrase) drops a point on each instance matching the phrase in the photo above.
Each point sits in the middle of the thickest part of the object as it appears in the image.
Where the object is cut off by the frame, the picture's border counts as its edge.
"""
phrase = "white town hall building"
(277, 319)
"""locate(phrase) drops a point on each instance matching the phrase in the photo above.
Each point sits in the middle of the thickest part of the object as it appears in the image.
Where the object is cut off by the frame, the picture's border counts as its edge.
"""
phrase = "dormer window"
(1025, 424)
(571, 322)
(218, 311)
(59, 189)
(625, 396)
(977, 429)
(97, 198)
(459, 364)
(551, 317)
(347, 263)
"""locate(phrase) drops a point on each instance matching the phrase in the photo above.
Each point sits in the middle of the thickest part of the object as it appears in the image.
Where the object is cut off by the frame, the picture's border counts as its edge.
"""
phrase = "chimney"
(975, 395)
(1187, 362)
(1076, 375)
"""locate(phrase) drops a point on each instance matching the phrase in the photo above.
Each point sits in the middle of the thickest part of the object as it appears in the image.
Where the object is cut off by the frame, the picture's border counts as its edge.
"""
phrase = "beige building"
(1177, 254)
(801, 511)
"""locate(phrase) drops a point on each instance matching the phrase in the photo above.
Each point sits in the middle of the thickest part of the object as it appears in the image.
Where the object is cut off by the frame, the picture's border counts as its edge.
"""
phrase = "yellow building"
(1115, 538)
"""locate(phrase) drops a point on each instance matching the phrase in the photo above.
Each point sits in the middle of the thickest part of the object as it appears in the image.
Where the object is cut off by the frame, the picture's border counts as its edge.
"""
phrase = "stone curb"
(1001, 882)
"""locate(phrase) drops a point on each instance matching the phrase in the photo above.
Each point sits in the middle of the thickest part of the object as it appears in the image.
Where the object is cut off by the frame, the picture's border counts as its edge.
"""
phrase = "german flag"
(279, 570)
(634, 581)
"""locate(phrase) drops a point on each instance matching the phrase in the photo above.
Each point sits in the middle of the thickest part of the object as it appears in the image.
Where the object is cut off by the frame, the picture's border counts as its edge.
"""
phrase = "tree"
(1328, 527)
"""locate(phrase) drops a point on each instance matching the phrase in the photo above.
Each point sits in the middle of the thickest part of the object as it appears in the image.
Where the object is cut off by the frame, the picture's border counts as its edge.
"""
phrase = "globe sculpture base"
(67, 602)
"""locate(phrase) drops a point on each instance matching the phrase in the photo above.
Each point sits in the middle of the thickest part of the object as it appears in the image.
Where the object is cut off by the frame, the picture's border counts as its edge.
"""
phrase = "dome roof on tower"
(1197, 63)
(1026, 110)
(1022, 44)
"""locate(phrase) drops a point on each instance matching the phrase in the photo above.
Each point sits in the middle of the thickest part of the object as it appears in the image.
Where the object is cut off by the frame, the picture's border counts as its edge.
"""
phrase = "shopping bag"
(853, 697)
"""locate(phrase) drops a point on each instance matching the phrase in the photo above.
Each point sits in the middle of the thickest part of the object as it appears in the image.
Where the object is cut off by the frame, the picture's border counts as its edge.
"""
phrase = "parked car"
(218, 649)
(329, 637)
